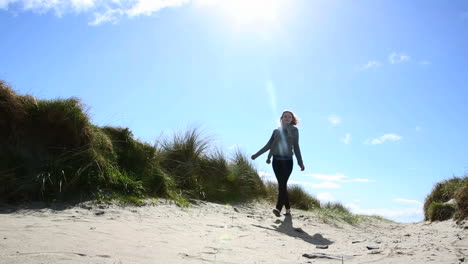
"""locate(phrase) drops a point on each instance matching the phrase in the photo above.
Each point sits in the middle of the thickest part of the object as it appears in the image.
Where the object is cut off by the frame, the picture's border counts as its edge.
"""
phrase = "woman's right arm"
(266, 147)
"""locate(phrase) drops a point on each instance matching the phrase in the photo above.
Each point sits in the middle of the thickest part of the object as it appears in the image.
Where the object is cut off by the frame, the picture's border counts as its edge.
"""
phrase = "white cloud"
(110, 16)
(206, 2)
(395, 58)
(338, 177)
(266, 177)
(264, 174)
(103, 10)
(408, 201)
(334, 120)
(82, 4)
(370, 65)
(326, 197)
(148, 7)
(327, 177)
(323, 185)
(406, 215)
(383, 139)
(358, 180)
(347, 139)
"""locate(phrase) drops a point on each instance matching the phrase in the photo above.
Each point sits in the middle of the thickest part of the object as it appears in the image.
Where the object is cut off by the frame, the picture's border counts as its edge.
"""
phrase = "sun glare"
(252, 13)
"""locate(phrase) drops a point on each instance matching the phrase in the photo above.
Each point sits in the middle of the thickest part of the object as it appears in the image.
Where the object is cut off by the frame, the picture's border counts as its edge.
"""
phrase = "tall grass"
(299, 198)
(181, 157)
(202, 174)
(454, 188)
(243, 180)
(336, 211)
(50, 150)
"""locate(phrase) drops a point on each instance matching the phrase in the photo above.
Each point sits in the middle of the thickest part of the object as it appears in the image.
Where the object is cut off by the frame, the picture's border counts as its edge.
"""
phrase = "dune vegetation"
(50, 151)
(448, 200)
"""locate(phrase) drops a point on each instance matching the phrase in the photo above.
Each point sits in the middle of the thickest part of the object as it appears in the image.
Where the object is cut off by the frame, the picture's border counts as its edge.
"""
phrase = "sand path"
(214, 233)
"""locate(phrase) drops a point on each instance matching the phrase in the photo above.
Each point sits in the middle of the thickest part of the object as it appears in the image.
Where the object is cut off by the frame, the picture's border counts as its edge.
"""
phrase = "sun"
(252, 13)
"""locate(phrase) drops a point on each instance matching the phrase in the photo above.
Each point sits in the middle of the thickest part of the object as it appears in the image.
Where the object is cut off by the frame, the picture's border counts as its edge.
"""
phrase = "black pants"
(282, 169)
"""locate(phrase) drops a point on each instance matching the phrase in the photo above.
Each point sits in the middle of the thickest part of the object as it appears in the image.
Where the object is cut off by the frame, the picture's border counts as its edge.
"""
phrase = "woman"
(284, 142)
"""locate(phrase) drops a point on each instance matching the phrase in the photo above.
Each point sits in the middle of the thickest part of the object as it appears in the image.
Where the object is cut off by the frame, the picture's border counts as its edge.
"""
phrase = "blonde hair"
(295, 119)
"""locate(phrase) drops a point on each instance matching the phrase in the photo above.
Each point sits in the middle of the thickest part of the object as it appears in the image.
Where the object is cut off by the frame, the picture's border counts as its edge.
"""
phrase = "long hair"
(295, 119)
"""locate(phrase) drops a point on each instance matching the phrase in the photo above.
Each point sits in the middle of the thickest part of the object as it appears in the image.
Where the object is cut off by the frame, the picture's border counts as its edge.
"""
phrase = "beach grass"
(51, 151)
(448, 199)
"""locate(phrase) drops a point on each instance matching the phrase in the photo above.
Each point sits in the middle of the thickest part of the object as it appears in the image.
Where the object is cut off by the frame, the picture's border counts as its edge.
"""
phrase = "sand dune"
(214, 233)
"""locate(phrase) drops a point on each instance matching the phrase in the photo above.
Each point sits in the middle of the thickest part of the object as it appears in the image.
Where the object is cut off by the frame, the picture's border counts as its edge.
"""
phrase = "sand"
(215, 233)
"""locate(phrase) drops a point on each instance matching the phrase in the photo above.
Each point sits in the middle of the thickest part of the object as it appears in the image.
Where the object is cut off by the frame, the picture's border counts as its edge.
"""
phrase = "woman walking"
(283, 144)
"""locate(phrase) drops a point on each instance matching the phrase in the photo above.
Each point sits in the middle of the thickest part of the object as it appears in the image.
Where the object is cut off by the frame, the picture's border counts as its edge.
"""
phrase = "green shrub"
(440, 211)
(121, 182)
(139, 160)
(156, 181)
(44, 146)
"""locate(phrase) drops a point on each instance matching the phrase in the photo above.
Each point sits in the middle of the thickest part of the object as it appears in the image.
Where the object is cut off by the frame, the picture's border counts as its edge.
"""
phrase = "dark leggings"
(282, 169)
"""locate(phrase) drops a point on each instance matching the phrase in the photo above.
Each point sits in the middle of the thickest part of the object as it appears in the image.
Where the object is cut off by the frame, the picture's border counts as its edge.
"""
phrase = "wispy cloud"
(327, 177)
(109, 16)
(408, 201)
(372, 64)
(407, 215)
(338, 177)
(322, 185)
(383, 139)
(148, 7)
(395, 58)
(425, 62)
(82, 4)
(347, 139)
(334, 120)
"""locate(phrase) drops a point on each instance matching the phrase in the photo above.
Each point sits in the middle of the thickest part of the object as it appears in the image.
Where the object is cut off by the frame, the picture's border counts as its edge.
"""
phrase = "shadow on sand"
(6, 208)
(286, 227)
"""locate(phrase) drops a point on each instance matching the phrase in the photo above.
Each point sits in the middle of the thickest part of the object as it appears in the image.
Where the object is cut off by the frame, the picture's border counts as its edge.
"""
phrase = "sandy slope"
(213, 233)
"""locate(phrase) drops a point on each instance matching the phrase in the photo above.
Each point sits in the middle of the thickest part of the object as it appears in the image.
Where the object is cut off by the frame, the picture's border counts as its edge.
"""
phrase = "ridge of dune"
(215, 233)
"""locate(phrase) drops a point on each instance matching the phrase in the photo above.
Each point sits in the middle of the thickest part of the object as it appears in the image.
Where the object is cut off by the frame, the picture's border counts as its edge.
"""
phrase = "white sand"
(213, 233)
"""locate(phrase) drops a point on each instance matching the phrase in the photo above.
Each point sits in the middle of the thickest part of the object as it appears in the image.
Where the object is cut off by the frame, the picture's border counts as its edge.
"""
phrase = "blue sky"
(380, 86)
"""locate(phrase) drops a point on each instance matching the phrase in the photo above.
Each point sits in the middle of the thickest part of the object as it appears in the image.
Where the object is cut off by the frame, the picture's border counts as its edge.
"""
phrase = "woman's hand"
(302, 167)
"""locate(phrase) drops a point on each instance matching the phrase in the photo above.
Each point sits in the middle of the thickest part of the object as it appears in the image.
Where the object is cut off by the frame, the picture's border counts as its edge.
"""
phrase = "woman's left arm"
(297, 150)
